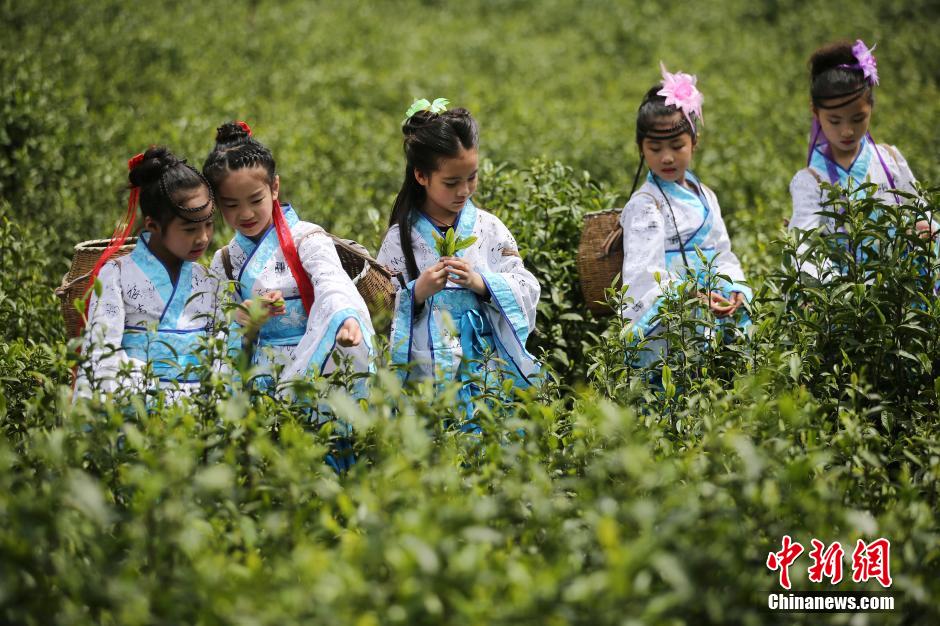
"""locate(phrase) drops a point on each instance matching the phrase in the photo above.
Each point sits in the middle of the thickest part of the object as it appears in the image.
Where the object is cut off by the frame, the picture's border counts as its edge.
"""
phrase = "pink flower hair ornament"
(680, 91)
(866, 61)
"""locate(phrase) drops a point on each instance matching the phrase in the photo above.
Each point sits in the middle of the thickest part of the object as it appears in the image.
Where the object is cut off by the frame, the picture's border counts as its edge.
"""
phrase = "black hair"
(829, 80)
(652, 109)
(235, 148)
(429, 137)
(160, 175)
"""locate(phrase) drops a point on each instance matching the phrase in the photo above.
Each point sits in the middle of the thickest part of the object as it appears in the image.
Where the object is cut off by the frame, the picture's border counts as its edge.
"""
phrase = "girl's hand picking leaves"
(349, 334)
(722, 307)
(430, 282)
(275, 303)
(461, 273)
(252, 314)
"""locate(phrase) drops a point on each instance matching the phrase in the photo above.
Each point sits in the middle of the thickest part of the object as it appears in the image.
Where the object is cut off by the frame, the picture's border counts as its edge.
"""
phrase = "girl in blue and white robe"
(303, 345)
(154, 308)
(448, 335)
(654, 244)
(885, 166)
(143, 317)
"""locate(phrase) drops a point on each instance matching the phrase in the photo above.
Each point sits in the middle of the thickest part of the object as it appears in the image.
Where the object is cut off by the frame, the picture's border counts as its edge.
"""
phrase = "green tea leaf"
(464, 243)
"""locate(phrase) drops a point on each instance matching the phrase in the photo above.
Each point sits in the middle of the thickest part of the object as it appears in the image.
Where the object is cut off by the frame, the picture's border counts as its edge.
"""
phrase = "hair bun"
(416, 122)
(156, 160)
(831, 56)
(232, 132)
(459, 113)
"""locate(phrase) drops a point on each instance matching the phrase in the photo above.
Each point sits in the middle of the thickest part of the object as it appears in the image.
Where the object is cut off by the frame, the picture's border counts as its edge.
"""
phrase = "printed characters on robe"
(653, 245)
(303, 344)
(809, 196)
(450, 333)
(141, 316)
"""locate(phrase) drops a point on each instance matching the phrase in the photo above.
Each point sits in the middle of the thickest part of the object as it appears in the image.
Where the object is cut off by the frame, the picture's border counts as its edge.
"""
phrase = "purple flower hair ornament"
(866, 61)
(680, 91)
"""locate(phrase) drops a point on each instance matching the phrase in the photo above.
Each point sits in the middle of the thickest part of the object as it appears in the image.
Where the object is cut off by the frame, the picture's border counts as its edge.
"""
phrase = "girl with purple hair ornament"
(672, 226)
(841, 149)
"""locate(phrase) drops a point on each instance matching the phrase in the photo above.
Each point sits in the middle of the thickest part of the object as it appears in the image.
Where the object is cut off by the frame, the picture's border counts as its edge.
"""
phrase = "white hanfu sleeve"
(903, 176)
(224, 297)
(391, 256)
(644, 257)
(807, 196)
(104, 332)
(514, 298)
(408, 339)
(904, 179)
(335, 301)
(726, 262)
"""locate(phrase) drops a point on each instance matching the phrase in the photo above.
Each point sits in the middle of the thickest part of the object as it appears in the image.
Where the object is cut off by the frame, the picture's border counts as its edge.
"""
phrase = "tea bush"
(614, 494)
(543, 206)
(659, 502)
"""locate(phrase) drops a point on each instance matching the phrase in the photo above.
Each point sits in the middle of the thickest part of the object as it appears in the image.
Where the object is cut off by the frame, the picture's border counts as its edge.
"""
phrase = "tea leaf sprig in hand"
(450, 244)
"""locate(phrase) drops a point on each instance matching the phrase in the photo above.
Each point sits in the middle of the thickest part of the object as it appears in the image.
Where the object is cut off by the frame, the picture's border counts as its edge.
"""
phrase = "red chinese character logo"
(872, 561)
(826, 563)
(782, 560)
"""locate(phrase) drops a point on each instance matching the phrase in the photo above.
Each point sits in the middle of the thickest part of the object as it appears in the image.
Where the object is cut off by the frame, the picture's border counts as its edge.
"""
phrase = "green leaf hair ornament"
(438, 106)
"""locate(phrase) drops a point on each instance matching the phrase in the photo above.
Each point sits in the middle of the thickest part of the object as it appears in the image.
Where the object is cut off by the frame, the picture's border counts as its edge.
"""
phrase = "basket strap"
(612, 243)
(227, 263)
(352, 246)
(652, 197)
(65, 286)
(511, 252)
(894, 155)
(814, 174)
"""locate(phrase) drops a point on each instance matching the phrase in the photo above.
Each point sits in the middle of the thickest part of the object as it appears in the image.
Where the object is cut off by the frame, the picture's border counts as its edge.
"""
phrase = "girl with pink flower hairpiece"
(673, 231)
(841, 150)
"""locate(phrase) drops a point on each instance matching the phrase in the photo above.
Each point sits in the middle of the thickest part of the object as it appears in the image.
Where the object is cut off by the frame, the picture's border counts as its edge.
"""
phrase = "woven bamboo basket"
(600, 257)
(75, 282)
(372, 279)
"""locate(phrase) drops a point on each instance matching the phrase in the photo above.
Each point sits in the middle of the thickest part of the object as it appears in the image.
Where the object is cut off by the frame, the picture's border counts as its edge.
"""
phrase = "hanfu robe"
(142, 316)
(654, 244)
(809, 196)
(303, 344)
(447, 336)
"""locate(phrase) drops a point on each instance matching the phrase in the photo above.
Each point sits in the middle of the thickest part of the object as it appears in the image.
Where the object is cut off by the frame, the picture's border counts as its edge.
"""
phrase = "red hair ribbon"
(245, 127)
(118, 237)
(286, 240)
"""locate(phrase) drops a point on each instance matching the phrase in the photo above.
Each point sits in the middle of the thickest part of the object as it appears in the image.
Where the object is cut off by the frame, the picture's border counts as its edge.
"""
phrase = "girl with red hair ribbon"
(153, 307)
(312, 308)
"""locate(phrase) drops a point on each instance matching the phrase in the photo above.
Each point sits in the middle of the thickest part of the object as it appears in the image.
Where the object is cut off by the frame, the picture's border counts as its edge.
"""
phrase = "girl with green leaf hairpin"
(466, 303)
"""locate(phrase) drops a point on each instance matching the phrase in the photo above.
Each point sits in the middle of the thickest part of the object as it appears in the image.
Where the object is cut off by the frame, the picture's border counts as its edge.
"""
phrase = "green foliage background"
(620, 504)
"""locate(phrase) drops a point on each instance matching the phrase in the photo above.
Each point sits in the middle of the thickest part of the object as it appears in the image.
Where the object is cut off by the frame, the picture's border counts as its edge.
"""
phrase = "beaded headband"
(681, 127)
(849, 98)
(866, 64)
(182, 211)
